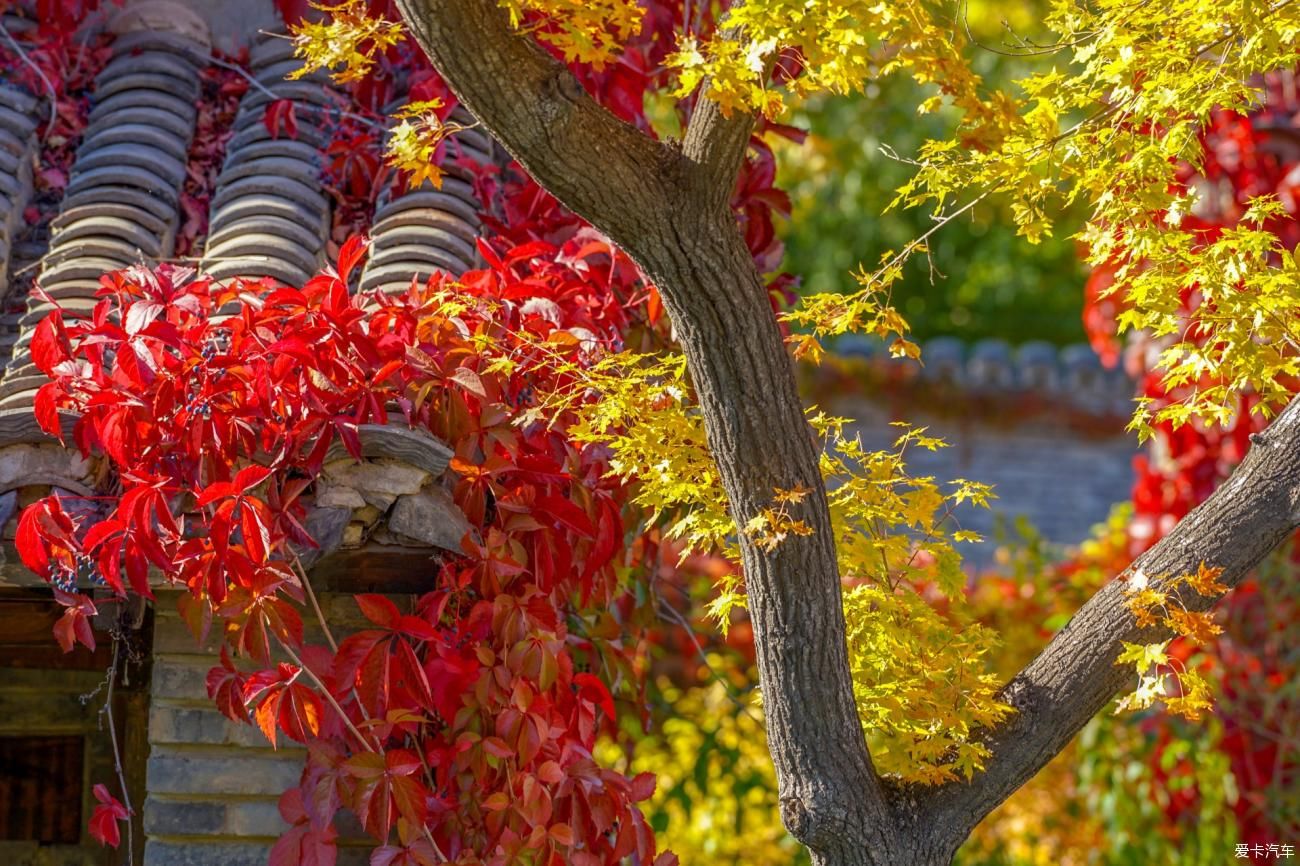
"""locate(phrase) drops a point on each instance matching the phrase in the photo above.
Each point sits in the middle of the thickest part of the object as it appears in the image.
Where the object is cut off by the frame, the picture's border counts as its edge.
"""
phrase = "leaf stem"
(324, 691)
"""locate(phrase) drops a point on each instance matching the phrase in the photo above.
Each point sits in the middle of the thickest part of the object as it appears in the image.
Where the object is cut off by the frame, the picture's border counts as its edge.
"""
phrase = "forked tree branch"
(715, 143)
(1075, 676)
(546, 120)
(540, 113)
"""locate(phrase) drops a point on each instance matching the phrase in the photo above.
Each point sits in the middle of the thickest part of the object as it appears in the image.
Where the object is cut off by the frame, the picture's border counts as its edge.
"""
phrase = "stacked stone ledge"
(396, 496)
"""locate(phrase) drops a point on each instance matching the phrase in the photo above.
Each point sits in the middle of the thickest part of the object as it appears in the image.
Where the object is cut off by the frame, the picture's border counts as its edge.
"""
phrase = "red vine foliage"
(459, 729)
(465, 724)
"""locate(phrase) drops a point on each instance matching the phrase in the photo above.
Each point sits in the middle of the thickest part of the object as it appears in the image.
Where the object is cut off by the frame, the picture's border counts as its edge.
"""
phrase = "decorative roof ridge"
(1073, 375)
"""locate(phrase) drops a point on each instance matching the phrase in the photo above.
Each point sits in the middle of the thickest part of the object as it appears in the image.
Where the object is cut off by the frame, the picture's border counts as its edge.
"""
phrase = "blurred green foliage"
(981, 280)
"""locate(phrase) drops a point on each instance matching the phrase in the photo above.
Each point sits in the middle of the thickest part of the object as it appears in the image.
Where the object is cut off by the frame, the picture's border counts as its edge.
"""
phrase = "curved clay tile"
(122, 202)
(19, 116)
(1067, 377)
(269, 216)
(425, 230)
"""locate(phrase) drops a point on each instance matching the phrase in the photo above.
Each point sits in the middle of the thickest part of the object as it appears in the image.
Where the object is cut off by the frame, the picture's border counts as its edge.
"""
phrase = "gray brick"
(254, 818)
(179, 677)
(241, 819)
(164, 853)
(233, 772)
(173, 725)
(160, 852)
(183, 818)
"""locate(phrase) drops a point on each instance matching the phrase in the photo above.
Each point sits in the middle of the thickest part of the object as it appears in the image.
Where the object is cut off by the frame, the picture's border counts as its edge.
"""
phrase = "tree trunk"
(830, 797)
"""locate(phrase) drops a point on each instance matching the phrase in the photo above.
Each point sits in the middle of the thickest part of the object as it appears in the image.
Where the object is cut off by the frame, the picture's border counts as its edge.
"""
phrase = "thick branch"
(1075, 676)
(715, 143)
(542, 115)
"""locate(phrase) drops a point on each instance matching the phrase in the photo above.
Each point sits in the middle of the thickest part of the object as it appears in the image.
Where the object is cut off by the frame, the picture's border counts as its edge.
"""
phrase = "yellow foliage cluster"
(920, 684)
(1107, 126)
(716, 798)
(346, 42)
(589, 31)
(350, 38)
(415, 138)
(920, 675)
(839, 44)
(1188, 695)
(1106, 123)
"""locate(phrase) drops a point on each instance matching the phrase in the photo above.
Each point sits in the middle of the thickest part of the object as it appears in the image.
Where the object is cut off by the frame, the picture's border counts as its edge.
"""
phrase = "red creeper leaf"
(103, 822)
(280, 115)
(50, 346)
(354, 250)
(591, 688)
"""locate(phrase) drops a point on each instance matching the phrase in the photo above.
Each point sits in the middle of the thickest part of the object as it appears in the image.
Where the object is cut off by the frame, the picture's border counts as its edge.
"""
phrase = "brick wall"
(213, 784)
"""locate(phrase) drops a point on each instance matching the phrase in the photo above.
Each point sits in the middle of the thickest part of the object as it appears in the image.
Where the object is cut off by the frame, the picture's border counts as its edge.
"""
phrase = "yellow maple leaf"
(1150, 688)
(412, 148)
(1145, 604)
(1196, 626)
(346, 42)
(1206, 580)
(806, 346)
(1194, 697)
(1143, 656)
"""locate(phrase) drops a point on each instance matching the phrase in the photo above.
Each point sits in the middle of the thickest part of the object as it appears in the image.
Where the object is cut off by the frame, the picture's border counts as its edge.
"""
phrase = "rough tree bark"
(666, 205)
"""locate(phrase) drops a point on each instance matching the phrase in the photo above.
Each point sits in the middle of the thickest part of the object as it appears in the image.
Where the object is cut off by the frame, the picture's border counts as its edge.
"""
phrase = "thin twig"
(266, 91)
(667, 611)
(315, 605)
(117, 752)
(906, 253)
(54, 96)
